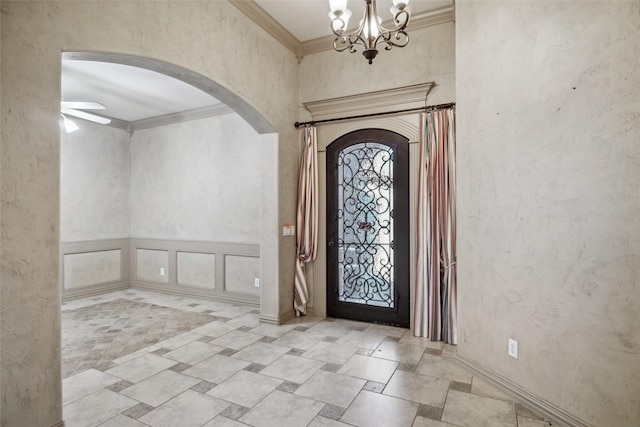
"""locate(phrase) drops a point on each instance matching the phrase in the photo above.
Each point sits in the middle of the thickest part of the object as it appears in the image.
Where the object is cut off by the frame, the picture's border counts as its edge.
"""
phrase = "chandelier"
(370, 31)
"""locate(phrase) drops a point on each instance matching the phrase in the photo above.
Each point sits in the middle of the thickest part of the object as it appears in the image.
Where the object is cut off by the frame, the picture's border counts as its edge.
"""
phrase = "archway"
(268, 142)
(223, 94)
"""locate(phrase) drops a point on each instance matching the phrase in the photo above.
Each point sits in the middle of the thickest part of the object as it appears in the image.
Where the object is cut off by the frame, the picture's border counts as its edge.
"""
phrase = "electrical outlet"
(162, 271)
(513, 348)
(256, 282)
(289, 230)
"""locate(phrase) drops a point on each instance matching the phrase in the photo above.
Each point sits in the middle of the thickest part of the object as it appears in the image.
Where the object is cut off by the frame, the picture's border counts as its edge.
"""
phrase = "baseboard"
(277, 319)
(557, 415)
(285, 317)
(193, 292)
(88, 291)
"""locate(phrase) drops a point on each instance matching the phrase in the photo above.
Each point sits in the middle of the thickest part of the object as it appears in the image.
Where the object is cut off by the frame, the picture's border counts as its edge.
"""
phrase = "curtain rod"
(386, 113)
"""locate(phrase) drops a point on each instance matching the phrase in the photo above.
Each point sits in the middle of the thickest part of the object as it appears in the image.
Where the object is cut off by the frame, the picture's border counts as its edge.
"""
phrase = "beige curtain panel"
(307, 217)
(435, 287)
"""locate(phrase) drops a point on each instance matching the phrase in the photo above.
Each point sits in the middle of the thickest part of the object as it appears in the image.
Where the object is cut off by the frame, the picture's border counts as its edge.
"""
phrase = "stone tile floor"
(136, 358)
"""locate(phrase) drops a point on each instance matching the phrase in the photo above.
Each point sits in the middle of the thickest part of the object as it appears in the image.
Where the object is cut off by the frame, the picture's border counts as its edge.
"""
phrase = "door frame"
(400, 314)
(407, 125)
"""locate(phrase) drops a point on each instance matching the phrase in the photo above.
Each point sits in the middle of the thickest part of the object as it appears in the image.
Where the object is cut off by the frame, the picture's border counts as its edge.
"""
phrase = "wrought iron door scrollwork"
(365, 225)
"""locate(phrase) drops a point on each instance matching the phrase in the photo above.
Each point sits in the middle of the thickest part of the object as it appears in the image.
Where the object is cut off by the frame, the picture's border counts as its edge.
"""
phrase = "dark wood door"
(368, 227)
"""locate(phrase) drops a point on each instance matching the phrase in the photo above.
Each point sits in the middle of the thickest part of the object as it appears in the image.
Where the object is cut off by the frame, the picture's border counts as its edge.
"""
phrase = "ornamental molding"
(413, 96)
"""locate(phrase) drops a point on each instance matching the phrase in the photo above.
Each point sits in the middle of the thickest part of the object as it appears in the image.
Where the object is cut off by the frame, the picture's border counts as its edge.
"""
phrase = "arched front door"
(368, 227)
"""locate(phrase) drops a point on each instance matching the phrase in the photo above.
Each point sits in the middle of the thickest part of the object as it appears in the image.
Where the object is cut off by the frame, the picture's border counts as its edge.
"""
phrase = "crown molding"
(254, 12)
(322, 44)
(167, 119)
(114, 123)
(120, 124)
(370, 102)
(184, 116)
(433, 17)
(424, 20)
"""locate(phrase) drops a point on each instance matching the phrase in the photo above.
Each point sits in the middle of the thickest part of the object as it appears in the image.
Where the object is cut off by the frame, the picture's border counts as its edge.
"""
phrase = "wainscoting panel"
(240, 274)
(152, 265)
(92, 267)
(196, 269)
(218, 271)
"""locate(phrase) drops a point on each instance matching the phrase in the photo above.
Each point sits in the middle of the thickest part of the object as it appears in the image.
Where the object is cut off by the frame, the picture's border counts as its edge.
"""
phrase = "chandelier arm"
(341, 26)
(398, 38)
(344, 41)
(341, 44)
(349, 41)
(401, 19)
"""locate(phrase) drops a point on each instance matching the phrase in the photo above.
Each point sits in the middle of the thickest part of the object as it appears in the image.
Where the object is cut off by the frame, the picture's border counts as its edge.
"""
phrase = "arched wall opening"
(218, 91)
(177, 33)
(192, 265)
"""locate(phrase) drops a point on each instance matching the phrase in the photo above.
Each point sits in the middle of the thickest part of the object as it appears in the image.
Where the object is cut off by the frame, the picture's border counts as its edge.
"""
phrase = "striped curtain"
(435, 288)
(307, 217)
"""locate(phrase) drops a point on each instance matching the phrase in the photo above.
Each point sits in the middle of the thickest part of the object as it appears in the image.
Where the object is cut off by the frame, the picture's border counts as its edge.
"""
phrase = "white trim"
(265, 21)
(371, 102)
(182, 116)
(557, 415)
(168, 119)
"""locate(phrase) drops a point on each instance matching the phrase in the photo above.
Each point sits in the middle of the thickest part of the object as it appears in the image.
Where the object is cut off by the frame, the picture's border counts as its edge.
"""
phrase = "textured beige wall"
(95, 178)
(197, 180)
(194, 35)
(429, 56)
(548, 209)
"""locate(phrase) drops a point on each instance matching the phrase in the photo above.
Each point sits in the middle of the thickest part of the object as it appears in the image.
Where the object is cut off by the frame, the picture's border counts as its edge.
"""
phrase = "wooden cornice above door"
(413, 96)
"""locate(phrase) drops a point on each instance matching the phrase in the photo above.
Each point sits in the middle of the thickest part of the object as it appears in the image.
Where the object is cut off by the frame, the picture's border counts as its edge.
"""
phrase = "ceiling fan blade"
(86, 116)
(82, 105)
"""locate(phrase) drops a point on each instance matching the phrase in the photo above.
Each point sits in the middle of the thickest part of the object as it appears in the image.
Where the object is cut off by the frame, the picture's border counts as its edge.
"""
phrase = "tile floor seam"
(412, 358)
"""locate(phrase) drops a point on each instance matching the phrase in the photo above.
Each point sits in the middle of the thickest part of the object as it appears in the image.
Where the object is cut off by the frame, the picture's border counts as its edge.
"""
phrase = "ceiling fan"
(74, 108)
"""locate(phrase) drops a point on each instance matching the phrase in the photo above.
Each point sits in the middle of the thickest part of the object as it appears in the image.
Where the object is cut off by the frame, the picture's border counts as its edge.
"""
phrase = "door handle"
(330, 244)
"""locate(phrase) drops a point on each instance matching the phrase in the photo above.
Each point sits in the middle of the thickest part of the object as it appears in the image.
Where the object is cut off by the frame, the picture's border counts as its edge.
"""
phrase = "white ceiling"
(129, 93)
(132, 94)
